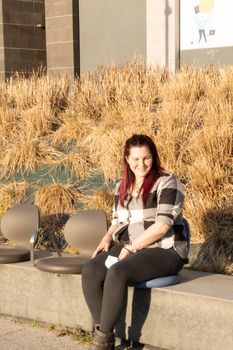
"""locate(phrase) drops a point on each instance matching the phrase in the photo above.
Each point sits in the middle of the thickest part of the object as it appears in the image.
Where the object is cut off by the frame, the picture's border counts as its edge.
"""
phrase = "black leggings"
(105, 289)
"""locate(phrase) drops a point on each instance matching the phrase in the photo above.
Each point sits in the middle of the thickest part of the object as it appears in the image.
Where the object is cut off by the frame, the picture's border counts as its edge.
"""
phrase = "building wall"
(80, 35)
(83, 34)
(62, 28)
(2, 57)
(116, 31)
(162, 20)
(23, 35)
(111, 32)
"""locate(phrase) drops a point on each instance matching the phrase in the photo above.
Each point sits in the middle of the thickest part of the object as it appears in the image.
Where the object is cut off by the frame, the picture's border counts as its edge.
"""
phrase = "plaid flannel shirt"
(164, 204)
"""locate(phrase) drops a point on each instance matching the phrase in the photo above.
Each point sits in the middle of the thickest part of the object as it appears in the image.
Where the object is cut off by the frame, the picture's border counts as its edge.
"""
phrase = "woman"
(146, 232)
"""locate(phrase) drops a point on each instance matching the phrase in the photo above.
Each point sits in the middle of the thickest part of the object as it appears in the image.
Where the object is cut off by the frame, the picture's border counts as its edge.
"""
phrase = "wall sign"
(206, 24)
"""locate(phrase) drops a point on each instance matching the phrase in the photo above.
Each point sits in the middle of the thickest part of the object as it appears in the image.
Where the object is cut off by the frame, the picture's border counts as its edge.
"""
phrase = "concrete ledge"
(196, 314)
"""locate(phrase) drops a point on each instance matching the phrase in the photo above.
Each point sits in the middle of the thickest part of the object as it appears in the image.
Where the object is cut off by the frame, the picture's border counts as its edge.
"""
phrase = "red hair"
(128, 177)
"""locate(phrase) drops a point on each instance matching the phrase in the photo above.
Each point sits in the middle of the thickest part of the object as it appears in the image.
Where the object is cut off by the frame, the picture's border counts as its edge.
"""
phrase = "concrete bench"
(195, 314)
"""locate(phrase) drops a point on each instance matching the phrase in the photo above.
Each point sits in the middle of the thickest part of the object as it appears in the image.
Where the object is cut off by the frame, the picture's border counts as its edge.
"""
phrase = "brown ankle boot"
(102, 341)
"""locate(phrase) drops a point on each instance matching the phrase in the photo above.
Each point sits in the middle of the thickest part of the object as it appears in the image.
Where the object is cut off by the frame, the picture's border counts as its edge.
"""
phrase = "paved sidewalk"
(18, 335)
(22, 335)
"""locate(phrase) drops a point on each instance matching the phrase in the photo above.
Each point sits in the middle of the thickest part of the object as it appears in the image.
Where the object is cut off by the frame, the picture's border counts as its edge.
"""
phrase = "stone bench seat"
(195, 314)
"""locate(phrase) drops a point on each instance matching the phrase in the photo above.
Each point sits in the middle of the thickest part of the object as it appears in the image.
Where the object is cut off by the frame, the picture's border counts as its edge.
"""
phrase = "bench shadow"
(215, 253)
(40, 254)
(141, 302)
(140, 307)
(51, 231)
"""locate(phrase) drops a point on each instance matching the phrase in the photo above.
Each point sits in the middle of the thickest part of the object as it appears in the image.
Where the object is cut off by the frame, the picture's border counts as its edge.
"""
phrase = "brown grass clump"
(186, 85)
(72, 129)
(76, 165)
(51, 230)
(57, 198)
(26, 156)
(36, 122)
(12, 194)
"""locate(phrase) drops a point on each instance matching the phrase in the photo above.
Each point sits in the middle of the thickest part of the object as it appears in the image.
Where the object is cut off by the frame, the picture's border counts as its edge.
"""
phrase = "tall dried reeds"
(79, 127)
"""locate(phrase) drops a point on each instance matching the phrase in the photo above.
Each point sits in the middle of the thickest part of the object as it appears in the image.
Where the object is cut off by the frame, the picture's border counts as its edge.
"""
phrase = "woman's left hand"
(123, 254)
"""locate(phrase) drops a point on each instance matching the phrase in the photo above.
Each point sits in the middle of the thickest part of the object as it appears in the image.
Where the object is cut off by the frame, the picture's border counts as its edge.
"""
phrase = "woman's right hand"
(103, 245)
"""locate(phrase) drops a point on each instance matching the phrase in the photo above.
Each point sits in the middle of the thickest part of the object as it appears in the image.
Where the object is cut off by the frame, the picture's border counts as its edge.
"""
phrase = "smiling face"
(140, 161)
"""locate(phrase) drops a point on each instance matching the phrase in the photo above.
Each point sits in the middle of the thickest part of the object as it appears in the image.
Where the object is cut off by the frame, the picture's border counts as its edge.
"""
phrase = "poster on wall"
(206, 24)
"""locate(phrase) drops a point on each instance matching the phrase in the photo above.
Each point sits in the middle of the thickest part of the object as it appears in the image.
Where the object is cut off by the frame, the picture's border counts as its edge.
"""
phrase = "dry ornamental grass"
(79, 127)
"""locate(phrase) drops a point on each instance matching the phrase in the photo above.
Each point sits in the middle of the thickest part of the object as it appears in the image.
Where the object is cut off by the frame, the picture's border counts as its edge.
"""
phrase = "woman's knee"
(117, 273)
(90, 269)
(93, 272)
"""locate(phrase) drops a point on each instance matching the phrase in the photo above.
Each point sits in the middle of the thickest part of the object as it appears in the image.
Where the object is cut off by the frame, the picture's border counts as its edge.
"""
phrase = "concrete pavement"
(19, 335)
(24, 335)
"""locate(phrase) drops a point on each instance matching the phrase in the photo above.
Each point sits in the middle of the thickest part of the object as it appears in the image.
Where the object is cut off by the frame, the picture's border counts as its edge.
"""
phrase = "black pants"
(105, 289)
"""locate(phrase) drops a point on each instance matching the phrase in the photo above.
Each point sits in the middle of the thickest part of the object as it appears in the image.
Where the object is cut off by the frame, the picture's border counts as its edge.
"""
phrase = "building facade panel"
(62, 42)
(59, 55)
(23, 34)
(73, 36)
(20, 17)
(26, 6)
(58, 8)
(1, 38)
(2, 55)
(111, 32)
(59, 29)
(23, 60)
